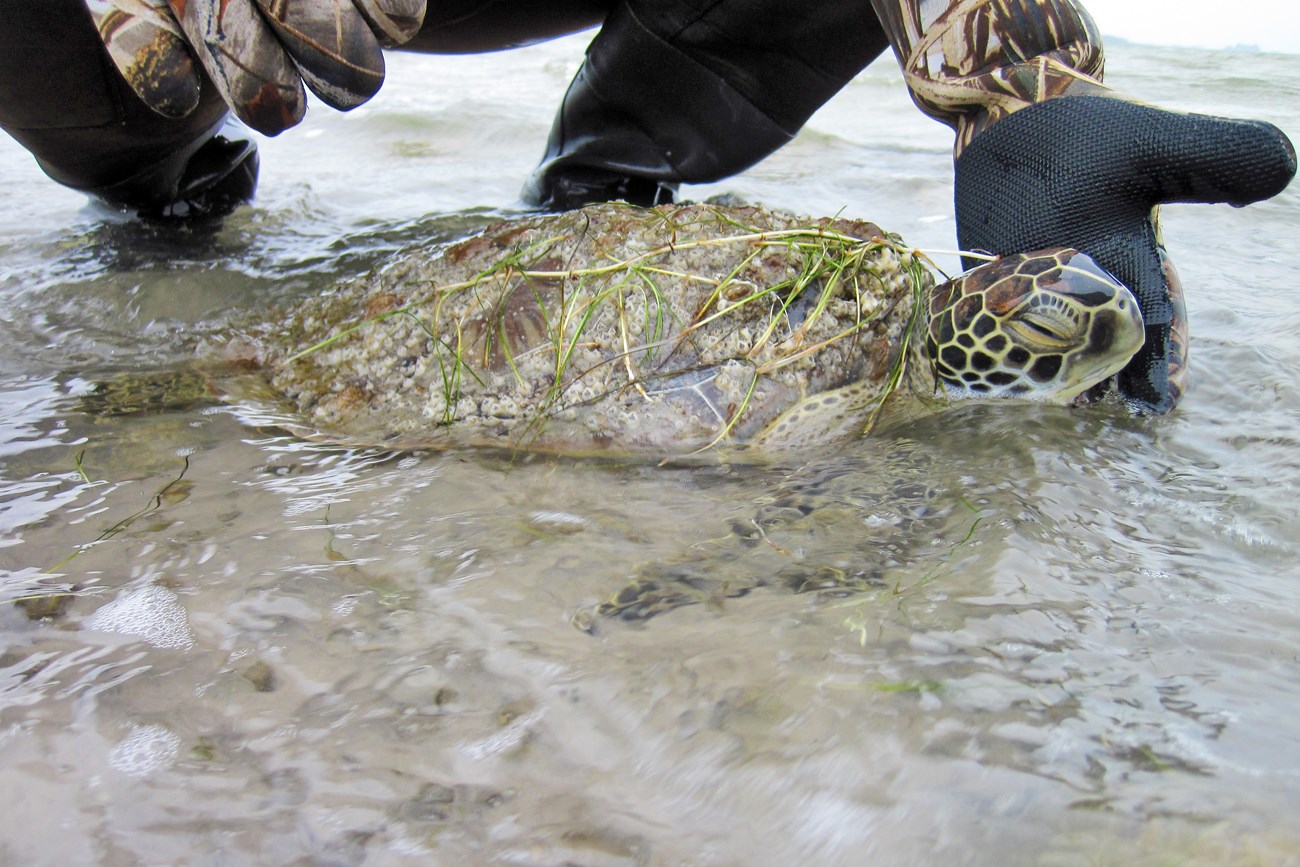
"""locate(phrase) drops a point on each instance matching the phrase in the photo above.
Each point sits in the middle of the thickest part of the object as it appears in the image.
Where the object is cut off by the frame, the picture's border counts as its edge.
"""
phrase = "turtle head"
(1045, 326)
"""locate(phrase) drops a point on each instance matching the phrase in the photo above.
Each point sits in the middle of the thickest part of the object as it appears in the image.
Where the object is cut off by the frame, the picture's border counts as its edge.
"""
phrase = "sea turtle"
(669, 331)
(675, 329)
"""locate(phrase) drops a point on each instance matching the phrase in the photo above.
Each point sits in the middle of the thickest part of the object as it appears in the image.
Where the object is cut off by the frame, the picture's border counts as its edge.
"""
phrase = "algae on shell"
(607, 328)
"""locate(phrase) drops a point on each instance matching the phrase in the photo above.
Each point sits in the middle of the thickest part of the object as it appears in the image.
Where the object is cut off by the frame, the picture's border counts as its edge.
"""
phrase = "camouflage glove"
(257, 52)
(1089, 172)
(1047, 155)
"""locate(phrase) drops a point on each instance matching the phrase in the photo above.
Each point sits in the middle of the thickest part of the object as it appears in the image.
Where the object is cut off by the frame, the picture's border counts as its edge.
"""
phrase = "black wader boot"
(62, 99)
(692, 92)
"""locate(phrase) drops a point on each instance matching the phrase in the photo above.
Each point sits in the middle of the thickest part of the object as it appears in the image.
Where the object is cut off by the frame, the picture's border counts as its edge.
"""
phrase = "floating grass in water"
(52, 602)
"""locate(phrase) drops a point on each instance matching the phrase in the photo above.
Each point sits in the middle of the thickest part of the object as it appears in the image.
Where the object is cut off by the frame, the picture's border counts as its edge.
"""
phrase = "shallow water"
(1078, 643)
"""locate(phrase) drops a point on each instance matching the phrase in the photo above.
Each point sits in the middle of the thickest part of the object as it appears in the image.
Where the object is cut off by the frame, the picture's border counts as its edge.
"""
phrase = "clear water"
(1082, 644)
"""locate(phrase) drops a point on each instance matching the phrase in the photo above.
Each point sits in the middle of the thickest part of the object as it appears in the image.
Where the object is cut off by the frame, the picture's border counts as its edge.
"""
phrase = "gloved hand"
(1088, 172)
(257, 52)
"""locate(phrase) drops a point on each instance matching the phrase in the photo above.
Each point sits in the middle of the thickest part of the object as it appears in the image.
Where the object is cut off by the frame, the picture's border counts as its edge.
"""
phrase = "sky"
(1272, 25)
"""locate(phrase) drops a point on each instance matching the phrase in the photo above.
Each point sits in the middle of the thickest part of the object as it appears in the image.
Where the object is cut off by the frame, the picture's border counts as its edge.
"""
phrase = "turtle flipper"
(664, 587)
(830, 581)
(883, 510)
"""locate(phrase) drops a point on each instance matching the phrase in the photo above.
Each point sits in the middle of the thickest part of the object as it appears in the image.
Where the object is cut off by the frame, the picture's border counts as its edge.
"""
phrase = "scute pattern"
(606, 329)
(1009, 336)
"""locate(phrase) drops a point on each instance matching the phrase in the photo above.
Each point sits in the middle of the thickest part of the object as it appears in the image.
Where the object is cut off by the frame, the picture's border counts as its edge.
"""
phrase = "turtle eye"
(1047, 332)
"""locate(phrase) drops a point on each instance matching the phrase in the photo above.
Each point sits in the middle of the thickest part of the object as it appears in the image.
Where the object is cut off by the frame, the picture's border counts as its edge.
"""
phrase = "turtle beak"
(1118, 333)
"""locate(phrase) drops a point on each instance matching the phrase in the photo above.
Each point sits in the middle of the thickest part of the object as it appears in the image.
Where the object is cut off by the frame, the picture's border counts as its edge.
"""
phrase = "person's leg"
(478, 26)
(696, 90)
(63, 101)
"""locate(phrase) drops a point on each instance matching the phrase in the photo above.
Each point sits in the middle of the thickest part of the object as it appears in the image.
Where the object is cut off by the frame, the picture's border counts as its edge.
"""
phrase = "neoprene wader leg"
(694, 91)
(63, 101)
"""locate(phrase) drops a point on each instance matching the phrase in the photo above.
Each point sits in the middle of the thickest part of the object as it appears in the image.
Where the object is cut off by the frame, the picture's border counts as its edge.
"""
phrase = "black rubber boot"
(693, 93)
(204, 182)
(573, 186)
(62, 99)
(622, 133)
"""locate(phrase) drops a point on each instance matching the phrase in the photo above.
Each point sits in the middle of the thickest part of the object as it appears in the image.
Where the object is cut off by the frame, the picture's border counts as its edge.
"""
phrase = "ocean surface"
(1080, 646)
